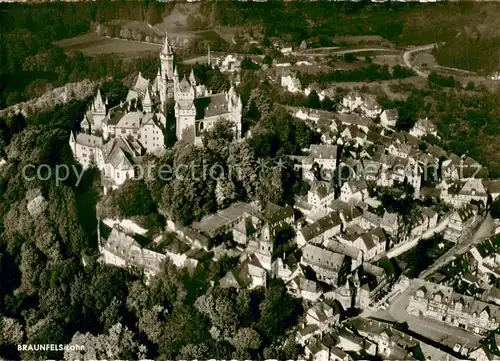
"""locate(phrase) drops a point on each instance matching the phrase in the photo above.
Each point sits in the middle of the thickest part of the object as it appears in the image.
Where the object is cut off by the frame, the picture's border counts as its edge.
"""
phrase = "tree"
(265, 42)
(349, 58)
(150, 322)
(225, 192)
(195, 352)
(119, 343)
(495, 209)
(313, 100)
(246, 339)
(11, 331)
(327, 104)
(248, 63)
(271, 186)
(31, 266)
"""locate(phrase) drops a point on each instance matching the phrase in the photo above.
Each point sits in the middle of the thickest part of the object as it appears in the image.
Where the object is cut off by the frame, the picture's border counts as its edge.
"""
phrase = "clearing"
(92, 44)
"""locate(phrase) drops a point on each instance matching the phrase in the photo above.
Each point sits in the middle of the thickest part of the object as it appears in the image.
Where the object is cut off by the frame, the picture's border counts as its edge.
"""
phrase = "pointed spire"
(147, 98)
(176, 74)
(158, 74)
(98, 97)
(192, 78)
(167, 49)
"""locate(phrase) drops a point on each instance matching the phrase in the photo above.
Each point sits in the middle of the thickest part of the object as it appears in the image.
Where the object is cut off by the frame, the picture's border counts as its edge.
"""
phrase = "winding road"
(407, 57)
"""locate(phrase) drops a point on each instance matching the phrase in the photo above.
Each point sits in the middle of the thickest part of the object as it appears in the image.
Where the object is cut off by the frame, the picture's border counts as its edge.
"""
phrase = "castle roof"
(184, 85)
(141, 84)
(88, 140)
(210, 106)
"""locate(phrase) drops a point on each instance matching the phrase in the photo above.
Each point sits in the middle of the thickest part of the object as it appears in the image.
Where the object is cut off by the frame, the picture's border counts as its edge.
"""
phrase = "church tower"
(266, 248)
(167, 59)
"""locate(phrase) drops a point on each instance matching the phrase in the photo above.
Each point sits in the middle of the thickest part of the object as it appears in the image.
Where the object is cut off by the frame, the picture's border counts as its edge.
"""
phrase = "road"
(407, 57)
(406, 246)
(483, 231)
(342, 52)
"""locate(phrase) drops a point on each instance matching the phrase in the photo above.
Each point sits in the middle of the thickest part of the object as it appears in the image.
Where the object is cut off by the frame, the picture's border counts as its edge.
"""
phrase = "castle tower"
(147, 104)
(98, 110)
(167, 59)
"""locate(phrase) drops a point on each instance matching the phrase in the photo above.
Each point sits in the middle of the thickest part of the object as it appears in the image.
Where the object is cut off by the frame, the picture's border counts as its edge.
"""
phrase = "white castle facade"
(114, 139)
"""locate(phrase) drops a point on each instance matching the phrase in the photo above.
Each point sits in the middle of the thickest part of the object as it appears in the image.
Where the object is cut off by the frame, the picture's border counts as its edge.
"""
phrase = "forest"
(29, 61)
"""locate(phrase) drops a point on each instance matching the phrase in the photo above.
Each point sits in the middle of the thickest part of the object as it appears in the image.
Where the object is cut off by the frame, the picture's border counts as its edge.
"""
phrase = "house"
(291, 83)
(460, 222)
(373, 281)
(372, 243)
(301, 286)
(441, 303)
(320, 195)
(230, 63)
(391, 224)
(330, 267)
(317, 232)
(354, 191)
(370, 108)
(322, 315)
(487, 256)
(324, 155)
(352, 101)
(423, 127)
(355, 254)
(389, 117)
(354, 133)
(120, 249)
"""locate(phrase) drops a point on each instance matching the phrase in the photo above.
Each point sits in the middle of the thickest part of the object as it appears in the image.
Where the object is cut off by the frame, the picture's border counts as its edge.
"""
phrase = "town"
(344, 240)
(250, 180)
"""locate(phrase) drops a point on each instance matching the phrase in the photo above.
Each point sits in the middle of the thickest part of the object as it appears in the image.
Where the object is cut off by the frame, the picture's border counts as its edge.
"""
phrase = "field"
(92, 44)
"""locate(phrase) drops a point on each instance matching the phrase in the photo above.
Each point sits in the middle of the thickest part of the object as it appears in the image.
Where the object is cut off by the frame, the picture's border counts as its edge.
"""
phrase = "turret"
(147, 104)
(167, 59)
(192, 78)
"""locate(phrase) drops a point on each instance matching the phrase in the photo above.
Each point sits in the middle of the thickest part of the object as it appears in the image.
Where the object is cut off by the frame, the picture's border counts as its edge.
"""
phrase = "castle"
(115, 139)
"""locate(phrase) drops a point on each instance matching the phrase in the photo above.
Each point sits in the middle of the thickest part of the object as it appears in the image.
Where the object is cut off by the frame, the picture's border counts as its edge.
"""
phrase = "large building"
(441, 303)
(115, 138)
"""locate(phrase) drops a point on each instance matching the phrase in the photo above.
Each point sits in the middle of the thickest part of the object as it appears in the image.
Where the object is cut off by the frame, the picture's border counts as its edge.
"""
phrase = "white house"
(423, 127)
(291, 84)
(389, 117)
(353, 191)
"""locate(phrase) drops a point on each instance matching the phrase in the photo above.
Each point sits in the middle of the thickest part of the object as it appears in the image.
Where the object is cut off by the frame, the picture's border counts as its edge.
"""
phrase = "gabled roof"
(323, 151)
(321, 226)
(211, 106)
(392, 114)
